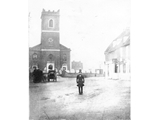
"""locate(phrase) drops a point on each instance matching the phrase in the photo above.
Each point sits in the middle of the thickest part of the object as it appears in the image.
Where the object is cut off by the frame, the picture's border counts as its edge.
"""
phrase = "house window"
(129, 68)
(124, 68)
(51, 23)
(118, 41)
(116, 68)
(114, 43)
(125, 39)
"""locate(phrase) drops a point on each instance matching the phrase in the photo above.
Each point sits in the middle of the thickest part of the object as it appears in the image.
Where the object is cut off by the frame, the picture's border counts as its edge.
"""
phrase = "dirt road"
(102, 100)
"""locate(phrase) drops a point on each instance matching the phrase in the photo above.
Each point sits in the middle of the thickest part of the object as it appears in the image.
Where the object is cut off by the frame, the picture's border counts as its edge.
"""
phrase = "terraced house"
(117, 57)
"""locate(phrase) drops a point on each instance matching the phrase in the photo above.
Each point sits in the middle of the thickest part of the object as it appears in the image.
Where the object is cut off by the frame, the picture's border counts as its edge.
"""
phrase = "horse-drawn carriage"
(51, 75)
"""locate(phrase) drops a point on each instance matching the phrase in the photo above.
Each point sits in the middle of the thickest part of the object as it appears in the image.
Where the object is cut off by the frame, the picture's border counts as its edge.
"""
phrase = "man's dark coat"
(80, 80)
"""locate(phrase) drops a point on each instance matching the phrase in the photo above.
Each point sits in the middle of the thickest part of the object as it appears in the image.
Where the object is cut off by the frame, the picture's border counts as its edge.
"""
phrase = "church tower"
(50, 29)
(50, 51)
(50, 40)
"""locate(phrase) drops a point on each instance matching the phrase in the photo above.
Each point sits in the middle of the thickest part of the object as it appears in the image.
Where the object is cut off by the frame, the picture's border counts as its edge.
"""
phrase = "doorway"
(50, 64)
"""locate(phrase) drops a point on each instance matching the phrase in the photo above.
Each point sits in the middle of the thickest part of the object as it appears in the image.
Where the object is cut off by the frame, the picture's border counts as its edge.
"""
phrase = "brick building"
(50, 51)
(117, 57)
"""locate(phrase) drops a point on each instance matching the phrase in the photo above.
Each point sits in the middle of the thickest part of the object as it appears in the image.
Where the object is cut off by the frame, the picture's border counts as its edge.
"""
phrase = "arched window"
(64, 57)
(51, 23)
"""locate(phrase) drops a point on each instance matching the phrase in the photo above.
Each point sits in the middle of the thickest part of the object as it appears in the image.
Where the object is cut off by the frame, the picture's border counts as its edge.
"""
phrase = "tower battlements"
(50, 12)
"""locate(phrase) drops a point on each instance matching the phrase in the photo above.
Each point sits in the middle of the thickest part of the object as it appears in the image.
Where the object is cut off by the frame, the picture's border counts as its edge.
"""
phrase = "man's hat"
(80, 71)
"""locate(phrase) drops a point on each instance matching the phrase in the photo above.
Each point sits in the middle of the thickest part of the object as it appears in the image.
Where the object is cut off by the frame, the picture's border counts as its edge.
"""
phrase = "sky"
(87, 27)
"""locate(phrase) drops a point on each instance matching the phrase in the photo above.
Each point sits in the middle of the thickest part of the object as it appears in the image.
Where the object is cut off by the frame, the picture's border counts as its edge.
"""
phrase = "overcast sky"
(87, 27)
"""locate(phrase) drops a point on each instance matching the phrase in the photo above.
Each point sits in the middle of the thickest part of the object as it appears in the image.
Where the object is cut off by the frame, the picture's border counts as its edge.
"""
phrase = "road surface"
(102, 99)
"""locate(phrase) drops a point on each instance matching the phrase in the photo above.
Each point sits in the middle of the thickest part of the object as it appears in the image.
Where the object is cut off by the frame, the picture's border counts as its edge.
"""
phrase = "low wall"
(120, 76)
(74, 75)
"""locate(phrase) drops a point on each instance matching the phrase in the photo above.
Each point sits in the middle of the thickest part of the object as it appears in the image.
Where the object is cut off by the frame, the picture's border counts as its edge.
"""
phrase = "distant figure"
(37, 75)
(45, 74)
(34, 74)
(80, 82)
(40, 75)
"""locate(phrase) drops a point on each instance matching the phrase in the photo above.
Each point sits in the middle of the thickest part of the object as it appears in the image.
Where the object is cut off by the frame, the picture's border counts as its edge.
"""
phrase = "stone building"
(117, 57)
(50, 51)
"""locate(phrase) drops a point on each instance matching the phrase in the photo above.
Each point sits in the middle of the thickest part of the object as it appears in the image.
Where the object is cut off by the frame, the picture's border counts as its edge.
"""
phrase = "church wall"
(67, 61)
(45, 22)
(45, 57)
(47, 43)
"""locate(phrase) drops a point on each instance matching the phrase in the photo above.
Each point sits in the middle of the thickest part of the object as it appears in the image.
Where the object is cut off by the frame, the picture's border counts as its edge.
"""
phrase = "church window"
(34, 56)
(51, 23)
(65, 57)
(50, 57)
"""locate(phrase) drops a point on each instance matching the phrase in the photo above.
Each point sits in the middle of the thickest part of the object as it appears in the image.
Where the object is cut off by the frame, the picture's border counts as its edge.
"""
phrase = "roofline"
(120, 36)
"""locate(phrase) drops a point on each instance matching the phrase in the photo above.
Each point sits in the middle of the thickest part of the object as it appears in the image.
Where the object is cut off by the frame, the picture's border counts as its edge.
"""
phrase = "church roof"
(62, 47)
(37, 47)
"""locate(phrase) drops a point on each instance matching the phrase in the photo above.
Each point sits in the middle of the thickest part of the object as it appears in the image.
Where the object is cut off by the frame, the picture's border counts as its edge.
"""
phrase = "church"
(50, 51)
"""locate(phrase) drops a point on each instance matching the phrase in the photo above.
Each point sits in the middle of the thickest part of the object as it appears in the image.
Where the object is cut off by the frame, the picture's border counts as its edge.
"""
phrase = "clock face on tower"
(50, 41)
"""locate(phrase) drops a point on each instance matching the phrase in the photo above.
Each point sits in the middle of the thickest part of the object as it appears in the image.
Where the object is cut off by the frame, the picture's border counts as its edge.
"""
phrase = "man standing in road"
(80, 82)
